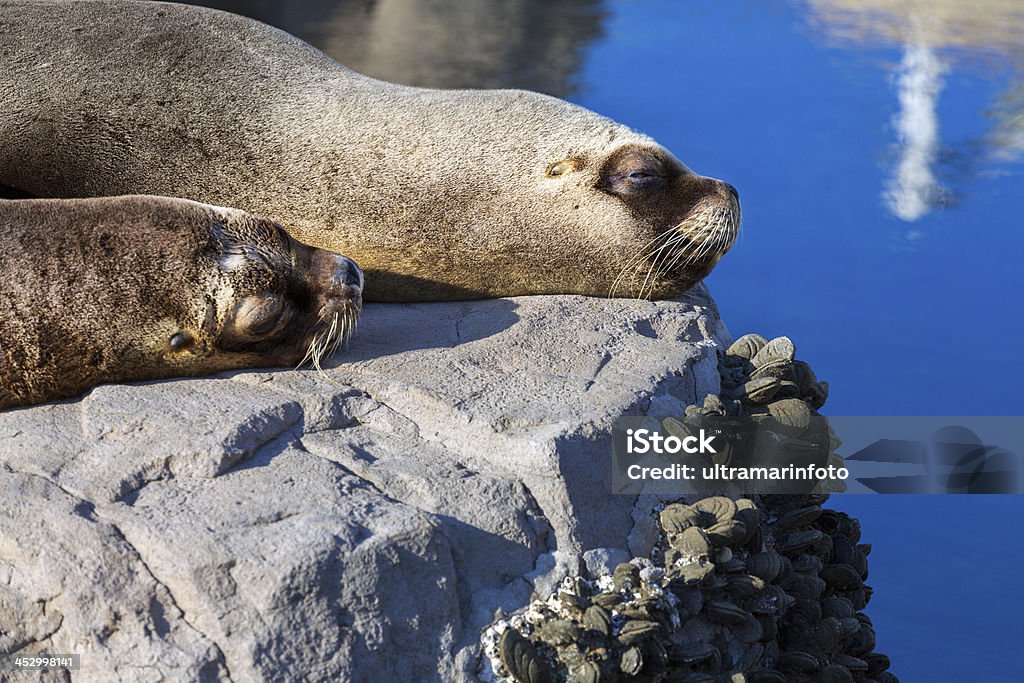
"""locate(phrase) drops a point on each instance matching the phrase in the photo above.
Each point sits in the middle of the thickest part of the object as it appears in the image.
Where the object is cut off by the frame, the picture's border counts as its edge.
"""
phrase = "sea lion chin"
(438, 194)
(135, 288)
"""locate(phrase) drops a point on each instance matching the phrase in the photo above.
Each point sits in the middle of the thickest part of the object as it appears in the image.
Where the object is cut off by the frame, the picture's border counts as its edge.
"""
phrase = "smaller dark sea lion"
(135, 288)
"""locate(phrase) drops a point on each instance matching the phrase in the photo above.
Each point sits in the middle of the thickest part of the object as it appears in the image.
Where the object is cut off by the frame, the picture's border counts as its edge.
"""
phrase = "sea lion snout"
(337, 282)
(730, 189)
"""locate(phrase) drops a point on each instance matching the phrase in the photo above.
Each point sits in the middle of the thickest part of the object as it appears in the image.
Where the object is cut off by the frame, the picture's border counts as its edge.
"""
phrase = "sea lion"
(438, 194)
(137, 288)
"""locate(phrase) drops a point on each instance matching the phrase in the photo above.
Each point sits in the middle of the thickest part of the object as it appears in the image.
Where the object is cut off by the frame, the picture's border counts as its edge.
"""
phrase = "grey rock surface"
(362, 524)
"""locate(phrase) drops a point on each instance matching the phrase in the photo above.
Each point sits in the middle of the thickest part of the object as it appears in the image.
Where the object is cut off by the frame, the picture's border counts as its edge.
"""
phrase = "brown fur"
(438, 194)
(95, 290)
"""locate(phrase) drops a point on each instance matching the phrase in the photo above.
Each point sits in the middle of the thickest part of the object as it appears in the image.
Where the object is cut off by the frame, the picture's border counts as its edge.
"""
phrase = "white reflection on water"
(985, 31)
(914, 189)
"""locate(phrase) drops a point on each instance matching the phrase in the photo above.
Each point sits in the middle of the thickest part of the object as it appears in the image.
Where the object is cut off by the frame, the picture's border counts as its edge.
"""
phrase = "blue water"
(902, 317)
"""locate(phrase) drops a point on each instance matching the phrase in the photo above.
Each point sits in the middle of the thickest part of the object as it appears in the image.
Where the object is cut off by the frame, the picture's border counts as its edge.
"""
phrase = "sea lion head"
(514, 192)
(143, 288)
(276, 301)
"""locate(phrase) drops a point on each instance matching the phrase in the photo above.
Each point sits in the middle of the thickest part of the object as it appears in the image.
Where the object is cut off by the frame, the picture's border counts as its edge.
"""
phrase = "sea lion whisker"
(637, 261)
(654, 259)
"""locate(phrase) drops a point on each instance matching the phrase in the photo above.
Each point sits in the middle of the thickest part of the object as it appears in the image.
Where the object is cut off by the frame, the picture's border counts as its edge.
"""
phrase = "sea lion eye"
(257, 314)
(560, 168)
(180, 341)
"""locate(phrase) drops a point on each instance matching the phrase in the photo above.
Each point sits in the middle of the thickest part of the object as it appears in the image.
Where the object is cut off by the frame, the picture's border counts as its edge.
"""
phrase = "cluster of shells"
(766, 387)
(762, 589)
(736, 592)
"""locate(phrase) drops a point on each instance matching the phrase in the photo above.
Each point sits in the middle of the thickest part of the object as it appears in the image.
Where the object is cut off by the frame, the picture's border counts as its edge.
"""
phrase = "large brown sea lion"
(437, 194)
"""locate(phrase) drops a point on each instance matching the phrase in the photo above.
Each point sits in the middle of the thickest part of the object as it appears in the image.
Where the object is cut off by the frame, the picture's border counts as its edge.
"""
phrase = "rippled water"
(878, 148)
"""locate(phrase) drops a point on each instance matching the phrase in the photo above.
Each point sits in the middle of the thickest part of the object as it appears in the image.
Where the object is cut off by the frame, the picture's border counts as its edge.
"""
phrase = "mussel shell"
(796, 541)
(853, 664)
(769, 628)
(693, 542)
(772, 600)
(834, 674)
(804, 612)
(724, 612)
(849, 626)
(733, 566)
(766, 565)
(778, 350)
(808, 564)
(861, 642)
(748, 631)
(632, 661)
(726, 532)
(845, 552)
(858, 597)
(795, 519)
(587, 672)
(597, 619)
(633, 631)
(675, 428)
(744, 586)
(797, 661)
(838, 607)
(791, 412)
(877, 662)
(804, 586)
(751, 519)
(747, 346)
(788, 389)
(817, 395)
(827, 634)
(692, 573)
(626, 576)
(841, 576)
(805, 376)
(760, 391)
(720, 507)
(607, 600)
(691, 652)
(520, 657)
(558, 632)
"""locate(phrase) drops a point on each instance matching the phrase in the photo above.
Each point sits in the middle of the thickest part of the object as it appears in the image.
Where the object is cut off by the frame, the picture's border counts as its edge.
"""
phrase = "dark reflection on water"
(529, 44)
(877, 146)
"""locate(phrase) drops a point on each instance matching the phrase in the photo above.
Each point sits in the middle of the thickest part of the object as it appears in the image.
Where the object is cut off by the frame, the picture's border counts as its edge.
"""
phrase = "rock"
(363, 524)
(602, 561)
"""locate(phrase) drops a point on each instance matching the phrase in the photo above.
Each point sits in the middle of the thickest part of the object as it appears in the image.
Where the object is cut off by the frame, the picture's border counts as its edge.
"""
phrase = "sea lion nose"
(348, 272)
(732, 190)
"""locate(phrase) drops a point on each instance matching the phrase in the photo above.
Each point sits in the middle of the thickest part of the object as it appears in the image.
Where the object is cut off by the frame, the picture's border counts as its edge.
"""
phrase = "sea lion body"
(438, 194)
(139, 288)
